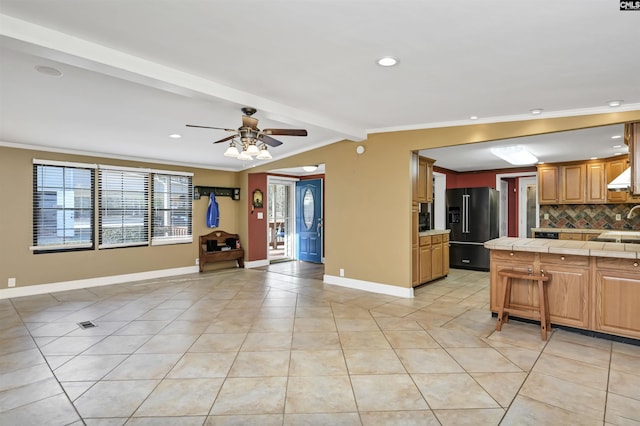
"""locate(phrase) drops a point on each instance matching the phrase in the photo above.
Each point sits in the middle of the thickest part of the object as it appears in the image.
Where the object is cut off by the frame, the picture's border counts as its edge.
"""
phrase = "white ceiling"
(135, 72)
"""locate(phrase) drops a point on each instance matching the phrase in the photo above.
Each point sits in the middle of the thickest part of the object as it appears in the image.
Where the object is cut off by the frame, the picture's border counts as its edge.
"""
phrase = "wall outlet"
(341, 272)
(618, 217)
(11, 282)
(546, 216)
(197, 261)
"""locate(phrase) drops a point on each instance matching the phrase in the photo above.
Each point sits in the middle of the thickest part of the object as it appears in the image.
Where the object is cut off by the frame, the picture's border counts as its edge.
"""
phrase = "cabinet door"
(436, 260)
(425, 263)
(570, 236)
(429, 178)
(423, 182)
(415, 253)
(572, 184)
(548, 184)
(596, 186)
(568, 294)
(632, 138)
(414, 177)
(445, 255)
(617, 301)
(521, 291)
(613, 169)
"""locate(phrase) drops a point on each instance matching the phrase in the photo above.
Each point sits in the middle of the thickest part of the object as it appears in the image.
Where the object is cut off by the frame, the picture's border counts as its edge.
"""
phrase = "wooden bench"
(214, 248)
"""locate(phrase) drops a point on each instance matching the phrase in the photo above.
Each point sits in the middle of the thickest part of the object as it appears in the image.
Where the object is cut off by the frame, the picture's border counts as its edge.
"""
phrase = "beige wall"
(17, 261)
(367, 205)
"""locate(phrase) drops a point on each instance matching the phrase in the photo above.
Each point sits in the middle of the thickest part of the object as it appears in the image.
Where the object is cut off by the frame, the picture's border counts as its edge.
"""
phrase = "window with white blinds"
(62, 206)
(171, 211)
(123, 215)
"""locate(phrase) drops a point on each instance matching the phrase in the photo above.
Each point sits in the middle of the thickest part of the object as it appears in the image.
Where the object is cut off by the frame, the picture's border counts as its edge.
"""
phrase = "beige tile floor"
(263, 347)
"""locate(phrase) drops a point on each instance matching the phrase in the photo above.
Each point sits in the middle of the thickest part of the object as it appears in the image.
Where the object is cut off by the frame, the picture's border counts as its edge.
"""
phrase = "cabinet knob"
(511, 254)
(635, 264)
(562, 257)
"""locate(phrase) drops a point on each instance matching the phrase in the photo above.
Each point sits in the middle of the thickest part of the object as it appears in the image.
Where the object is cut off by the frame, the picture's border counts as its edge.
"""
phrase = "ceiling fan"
(249, 133)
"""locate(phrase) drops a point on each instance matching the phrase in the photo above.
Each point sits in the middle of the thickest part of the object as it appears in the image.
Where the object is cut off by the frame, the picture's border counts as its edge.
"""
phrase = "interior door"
(309, 220)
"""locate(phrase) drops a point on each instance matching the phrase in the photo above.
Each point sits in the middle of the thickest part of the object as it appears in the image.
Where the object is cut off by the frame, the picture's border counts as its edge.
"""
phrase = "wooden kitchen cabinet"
(568, 288)
(632, 138)
(425, 259)
(573, 236)
(414, 177)
(522, 293)
(548, 184)
(572, 183)
(415, 250)
(436, 256)
(445, 254)
(617, 296)
(613, 168)
(596, 183)
(425, 180)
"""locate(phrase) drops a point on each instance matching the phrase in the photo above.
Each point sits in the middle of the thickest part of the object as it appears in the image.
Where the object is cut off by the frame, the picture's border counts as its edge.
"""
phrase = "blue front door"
(309, 220)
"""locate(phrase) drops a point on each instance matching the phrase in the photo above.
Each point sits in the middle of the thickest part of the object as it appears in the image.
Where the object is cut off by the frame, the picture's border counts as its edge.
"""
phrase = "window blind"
(172, 200)
(123, 213)
(63, 207)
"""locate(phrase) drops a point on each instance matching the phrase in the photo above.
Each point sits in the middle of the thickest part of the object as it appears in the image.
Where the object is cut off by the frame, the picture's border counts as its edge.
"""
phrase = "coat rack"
(199, 191)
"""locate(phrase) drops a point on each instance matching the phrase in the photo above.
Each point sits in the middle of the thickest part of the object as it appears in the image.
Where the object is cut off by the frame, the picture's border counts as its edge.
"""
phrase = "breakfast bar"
(593, 285)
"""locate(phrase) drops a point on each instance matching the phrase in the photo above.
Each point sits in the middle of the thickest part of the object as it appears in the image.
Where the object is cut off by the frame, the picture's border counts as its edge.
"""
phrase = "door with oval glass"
(309, 220)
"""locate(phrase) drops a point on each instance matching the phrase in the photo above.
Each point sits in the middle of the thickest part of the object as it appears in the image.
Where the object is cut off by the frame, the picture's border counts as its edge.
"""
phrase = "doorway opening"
(281, 219)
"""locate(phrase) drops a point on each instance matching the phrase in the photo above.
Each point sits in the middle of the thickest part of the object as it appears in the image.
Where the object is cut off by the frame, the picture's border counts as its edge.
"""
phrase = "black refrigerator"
(473, 218)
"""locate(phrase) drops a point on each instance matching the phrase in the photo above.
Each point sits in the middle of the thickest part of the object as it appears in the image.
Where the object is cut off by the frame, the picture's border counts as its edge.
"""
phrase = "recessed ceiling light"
(387, 61)
(50, 71)
(617, 153)
(536, 111)
(593, 158)
(614, 103)
(617, 146)
(175, 136)
(473, 117)
(616, 137)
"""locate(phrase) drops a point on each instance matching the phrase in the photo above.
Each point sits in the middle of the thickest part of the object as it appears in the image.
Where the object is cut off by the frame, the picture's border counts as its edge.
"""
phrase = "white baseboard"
(256, 263)
(93, 282)
(391, 290)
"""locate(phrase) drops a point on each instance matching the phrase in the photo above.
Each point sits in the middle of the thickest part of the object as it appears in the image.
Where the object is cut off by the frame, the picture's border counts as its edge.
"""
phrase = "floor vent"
(86, 324)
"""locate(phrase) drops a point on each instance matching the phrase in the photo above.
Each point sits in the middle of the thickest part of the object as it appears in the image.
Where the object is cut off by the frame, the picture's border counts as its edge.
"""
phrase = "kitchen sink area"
(627, 237)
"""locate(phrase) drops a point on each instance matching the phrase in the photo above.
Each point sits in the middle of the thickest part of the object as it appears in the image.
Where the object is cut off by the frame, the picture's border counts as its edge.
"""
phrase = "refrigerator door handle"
(465, 213)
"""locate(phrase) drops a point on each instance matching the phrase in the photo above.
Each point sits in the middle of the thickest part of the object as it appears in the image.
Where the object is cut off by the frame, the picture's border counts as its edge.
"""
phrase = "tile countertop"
(434, 232)
(568, 247)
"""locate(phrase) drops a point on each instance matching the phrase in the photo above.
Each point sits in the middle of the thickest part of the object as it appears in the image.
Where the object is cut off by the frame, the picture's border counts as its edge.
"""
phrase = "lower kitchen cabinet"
(600, 294)
(434, 257)
(617, 294)
(568, 287)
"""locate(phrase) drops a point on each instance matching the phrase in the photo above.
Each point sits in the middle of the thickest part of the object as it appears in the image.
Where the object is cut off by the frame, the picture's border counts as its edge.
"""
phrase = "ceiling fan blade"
(209, 127)
(226, 139)
(249, 122)
(285, 132)
(269, 140)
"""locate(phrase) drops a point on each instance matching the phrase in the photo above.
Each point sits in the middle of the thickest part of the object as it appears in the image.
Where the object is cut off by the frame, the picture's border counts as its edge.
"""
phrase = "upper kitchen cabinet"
(614, 167)
(548, 184)
(425, 179)
(572, 184)
(632, 138)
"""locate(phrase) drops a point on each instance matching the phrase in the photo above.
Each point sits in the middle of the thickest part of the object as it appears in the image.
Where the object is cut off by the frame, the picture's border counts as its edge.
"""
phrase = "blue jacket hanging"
(213, 213)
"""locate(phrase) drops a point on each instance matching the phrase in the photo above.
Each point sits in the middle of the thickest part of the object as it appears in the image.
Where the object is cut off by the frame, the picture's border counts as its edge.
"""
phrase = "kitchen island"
(592, 285)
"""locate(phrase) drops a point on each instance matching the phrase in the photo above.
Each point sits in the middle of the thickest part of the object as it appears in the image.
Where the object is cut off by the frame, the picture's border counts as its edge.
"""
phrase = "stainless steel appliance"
(472, 216)
(545, 234)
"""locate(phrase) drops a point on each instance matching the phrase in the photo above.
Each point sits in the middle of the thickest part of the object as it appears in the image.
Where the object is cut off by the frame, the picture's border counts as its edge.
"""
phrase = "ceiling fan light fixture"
(252, 149)
(244, 155)
(516, 155)
(232, 151)
(309, 169)
(264, 153)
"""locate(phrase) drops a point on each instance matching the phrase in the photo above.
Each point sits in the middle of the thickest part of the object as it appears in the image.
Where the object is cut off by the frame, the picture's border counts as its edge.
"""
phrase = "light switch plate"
(618, 217)
(260, 215)
(546, 216)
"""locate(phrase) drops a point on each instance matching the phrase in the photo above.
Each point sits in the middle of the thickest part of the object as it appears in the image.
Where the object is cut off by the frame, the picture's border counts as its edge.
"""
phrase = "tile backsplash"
(590, 216)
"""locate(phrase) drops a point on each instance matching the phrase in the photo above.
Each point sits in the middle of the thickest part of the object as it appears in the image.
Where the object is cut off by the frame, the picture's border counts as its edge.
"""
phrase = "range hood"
(622, 182)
